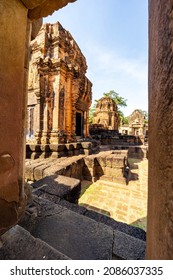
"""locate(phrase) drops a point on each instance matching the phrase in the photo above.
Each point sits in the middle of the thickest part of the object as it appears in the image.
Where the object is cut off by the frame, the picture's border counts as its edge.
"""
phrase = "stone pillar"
(14, 43)
(13, 78)
(69, 106)
(55, 125)
(44, 138)
(38, 127)
(86, 122)
(160, 197)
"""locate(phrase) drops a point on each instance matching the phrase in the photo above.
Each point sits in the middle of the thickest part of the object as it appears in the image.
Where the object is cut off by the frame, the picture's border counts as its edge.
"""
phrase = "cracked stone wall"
(15, 25)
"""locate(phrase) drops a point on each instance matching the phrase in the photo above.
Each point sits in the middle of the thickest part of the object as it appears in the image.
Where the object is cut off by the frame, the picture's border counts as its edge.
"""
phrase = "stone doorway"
(79, 124)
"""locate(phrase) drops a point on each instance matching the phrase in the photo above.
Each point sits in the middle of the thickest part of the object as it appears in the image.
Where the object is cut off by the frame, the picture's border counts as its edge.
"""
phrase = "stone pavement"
(125, 203)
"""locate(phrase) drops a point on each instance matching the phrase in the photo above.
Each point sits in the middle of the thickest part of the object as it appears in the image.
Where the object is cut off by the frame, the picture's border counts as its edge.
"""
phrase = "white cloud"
(108, 70)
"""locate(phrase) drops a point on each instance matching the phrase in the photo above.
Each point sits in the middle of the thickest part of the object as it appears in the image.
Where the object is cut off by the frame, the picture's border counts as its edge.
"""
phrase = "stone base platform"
(34, 151)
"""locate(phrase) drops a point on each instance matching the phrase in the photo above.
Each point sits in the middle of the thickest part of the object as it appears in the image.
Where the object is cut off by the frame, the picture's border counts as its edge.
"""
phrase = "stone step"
(18, 244)
(65, 191)
(58, 186)
(78, 236)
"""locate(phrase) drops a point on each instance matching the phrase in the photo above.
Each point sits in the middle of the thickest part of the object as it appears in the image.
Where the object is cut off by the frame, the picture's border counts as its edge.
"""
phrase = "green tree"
(92, 110)
(119, 100)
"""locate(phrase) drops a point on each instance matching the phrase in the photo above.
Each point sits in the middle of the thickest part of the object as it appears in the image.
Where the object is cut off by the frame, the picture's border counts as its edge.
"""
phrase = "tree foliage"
(92, 110)
(119, 100)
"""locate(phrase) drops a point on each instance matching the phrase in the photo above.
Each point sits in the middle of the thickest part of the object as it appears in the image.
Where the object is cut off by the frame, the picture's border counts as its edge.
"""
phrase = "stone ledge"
(135, 232)
(58, 187)
(87, 231)
(127, 247)
(19, 244)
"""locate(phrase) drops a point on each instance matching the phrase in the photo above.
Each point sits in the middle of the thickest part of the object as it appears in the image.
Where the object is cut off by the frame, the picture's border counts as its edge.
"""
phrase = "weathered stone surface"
(60, 186)
(127, 247)
(31, 4)
(71, 206)
(106, 114)
(12, 121)
(6, 163)
(14, 41)
(160, 224)
(137, 125)
(107, 165)
(19, 244)
(57, 148)
(36, 25)
(122, 227)
(40, 168)
(70, 233)
(43, 218)
(9, 214)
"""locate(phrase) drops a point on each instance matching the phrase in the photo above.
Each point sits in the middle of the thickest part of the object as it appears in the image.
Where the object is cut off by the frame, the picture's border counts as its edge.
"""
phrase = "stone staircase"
(19, 244)
(54, 228)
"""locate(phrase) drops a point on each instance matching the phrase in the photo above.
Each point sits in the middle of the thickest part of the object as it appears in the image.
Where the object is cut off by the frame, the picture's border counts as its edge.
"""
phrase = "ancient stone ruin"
(59, 93)
(16, 21)
(137, 125)
(106, 114)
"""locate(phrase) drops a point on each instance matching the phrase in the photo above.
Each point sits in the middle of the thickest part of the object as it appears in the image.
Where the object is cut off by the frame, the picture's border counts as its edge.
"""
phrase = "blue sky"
(113, 36)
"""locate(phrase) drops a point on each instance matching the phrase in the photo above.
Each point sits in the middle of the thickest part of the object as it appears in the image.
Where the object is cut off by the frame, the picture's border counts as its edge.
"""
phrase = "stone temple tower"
(106, 113)
(59, 93)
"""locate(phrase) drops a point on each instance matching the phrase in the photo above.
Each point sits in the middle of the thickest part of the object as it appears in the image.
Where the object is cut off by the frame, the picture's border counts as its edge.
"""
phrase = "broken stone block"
(28, 247)
(60, 186)
(127, 247)
(117, 162)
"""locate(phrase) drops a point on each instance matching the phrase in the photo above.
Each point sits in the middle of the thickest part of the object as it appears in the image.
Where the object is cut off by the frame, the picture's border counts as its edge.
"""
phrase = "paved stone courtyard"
(125, 203)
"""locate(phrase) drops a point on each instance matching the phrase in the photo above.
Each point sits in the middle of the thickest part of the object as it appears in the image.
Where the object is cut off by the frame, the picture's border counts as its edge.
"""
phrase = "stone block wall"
(108, 166)
(138, 152)
(111, 166)
(69, 167)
